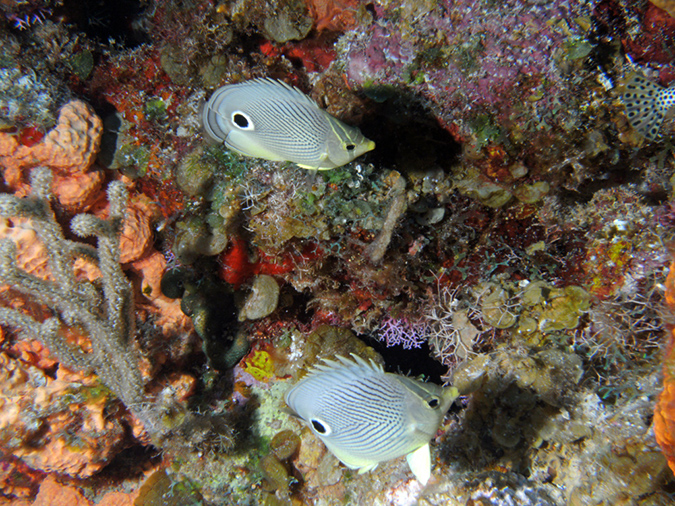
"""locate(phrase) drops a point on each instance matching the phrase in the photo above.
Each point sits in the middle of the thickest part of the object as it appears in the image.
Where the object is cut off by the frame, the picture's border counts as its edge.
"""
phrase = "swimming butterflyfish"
(266, 118)
(647, 103)
(365, 416)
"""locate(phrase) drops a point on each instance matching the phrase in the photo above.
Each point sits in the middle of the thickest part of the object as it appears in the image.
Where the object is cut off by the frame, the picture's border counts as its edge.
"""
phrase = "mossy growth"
(230, 164)
(81, 64)
(161, 490)
(155, 110)
(131, 155)
(466, 56)
(485, 130)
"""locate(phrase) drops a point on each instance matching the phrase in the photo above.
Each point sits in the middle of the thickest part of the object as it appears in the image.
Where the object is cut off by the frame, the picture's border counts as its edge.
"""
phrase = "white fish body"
(647, 104)
(365, 416)
(266, 118)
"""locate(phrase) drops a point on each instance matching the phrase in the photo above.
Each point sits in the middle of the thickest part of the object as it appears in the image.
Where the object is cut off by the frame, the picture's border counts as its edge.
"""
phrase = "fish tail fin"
(646, 105)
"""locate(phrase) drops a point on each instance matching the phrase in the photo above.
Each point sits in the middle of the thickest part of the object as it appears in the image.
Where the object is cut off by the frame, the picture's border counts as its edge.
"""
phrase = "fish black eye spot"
(350, 147)
(240, 120)
(318, 426)
(433, 403)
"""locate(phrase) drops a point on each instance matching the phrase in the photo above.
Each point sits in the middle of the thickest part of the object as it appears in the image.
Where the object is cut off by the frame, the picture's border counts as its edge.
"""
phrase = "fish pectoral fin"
(420, 463)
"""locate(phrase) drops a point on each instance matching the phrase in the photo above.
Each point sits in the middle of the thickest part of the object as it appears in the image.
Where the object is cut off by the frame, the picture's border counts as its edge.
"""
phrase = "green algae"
(161, 490)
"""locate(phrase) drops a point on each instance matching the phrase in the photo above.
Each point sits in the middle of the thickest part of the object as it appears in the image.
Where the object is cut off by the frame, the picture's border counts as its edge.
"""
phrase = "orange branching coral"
(33, 352)
(53, 493)
(37, 422)
(69, 149)
(137, 234)
(664, 411)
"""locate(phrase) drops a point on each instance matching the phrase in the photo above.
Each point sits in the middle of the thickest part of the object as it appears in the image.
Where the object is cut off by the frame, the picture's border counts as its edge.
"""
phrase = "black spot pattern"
(647, 103)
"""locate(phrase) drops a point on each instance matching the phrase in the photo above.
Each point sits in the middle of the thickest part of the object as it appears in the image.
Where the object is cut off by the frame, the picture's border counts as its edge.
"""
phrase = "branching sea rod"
(105, 315)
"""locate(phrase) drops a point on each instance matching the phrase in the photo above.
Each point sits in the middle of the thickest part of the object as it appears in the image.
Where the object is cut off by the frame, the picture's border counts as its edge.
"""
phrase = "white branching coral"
(451, 334)
(107, 317)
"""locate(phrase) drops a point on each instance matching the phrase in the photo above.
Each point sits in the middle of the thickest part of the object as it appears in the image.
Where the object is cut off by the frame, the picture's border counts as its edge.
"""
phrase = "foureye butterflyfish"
(366, 416)
(266, 118)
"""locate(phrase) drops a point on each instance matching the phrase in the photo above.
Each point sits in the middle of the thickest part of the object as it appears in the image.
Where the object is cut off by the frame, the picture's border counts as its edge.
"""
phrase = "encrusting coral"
(664, 411)
(56, 424)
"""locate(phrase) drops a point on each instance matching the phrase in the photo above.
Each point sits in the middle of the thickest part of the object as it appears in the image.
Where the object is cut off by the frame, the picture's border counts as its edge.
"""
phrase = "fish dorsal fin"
(345, 369)
(419, 462)
(289, 92)
(355, 363)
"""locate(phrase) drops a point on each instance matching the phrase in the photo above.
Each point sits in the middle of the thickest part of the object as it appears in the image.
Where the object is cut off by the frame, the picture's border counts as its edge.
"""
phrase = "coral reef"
(509, 235)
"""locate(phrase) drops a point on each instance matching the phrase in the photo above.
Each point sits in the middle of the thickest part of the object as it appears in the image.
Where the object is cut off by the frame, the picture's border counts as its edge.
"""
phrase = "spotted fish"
(266, 118)
(647, 103)
(366, 416)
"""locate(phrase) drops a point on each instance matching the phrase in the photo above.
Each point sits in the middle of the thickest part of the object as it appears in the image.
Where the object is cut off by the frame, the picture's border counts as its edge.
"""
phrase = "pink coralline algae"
(473, 58)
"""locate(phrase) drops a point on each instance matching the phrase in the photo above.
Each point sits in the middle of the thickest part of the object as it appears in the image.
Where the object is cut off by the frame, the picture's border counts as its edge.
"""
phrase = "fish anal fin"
(420, 463)
(365, 469)
(322, 158)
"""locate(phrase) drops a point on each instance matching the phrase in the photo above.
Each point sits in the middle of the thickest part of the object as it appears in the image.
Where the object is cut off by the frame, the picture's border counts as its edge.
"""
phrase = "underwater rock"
(549, 373)
(276, 474)
(469, 375)
(285, 444)
(531, 193)
(161, 490)
(494, 308)
(493, 488)
(173, 61)
(194, 174)
(195, 238)
(290, 20)
(210, 304)
(554, 308)
(262, 300)
(397, 207)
